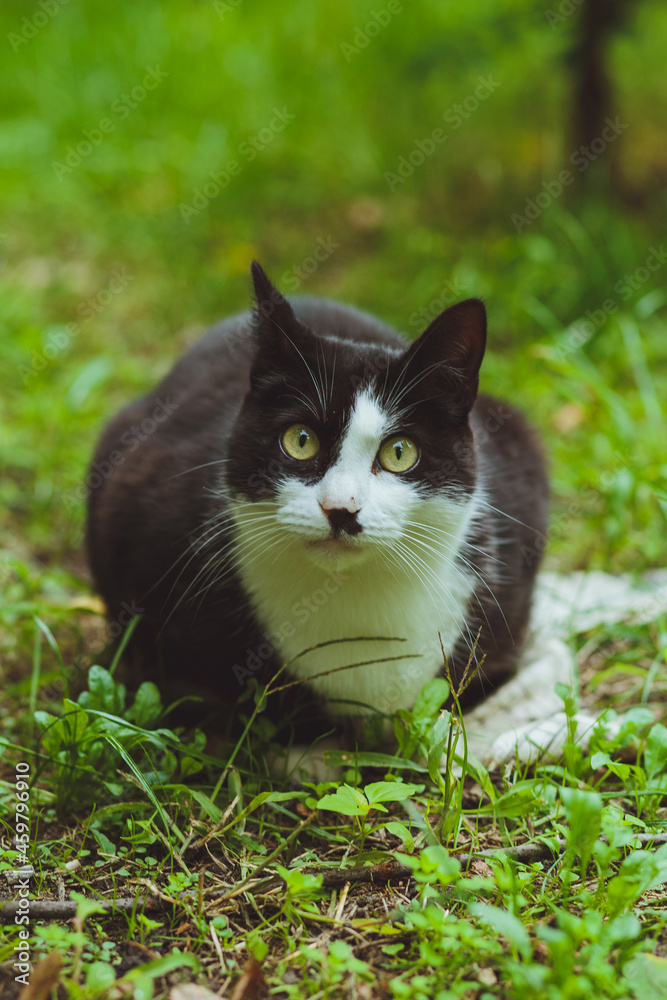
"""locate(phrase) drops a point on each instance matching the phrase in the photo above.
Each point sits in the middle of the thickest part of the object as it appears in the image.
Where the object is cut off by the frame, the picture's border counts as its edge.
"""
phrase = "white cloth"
(525, 717)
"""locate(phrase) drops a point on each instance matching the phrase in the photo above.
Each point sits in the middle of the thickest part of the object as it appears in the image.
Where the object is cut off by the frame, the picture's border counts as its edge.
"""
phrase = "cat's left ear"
(281, 339)
(452, 348)
(273, 312)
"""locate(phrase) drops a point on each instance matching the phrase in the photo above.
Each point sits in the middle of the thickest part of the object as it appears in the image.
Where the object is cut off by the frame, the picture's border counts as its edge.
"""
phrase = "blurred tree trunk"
(593, 90)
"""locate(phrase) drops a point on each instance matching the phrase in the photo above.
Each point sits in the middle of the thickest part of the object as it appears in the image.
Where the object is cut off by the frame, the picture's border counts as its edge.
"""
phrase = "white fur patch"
(346, 484)
(397, 584)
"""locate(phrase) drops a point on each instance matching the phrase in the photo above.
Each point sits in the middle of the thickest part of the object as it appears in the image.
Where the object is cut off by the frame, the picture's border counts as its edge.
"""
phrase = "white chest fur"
(302, 605)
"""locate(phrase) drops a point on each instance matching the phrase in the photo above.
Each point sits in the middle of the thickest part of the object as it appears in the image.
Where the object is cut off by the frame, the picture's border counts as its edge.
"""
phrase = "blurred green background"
(116, 116)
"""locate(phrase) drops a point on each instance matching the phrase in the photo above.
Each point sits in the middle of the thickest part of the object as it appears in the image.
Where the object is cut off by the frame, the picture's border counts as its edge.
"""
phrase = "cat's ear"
(451, 350)
(281, 338)
(272, 310)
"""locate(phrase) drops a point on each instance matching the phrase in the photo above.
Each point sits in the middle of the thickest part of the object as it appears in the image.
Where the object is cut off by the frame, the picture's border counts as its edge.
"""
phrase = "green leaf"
(401, 831)
(104, 693)
(655, 757)
(160, 967)
(390, 791)
(299, 882)
(584, 816)
(99, 977)
(147, 705)
(604, 760)
(190, 766)
(105, 845)
(209, 807)
(646, 976)
(141, 780)
(639, 872)
(44, 628)
(522, 799)
(76, 720)
(504, 923)
(85, 906)
(345, 758)
(431, 698)
(143, 987)
(347, 801)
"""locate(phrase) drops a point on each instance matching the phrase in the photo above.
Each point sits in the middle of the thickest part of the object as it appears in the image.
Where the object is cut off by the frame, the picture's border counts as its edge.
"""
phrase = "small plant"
(349, 801)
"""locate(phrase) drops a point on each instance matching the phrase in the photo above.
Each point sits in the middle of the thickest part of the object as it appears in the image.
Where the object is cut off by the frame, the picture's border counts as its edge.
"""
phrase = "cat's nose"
(351, 506)
(342, 519)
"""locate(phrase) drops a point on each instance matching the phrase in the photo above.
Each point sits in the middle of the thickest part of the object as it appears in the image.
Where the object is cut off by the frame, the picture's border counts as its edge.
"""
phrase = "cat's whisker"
(207, 538)
(418, 541)
(333, 376)
(466, 562)
(450, 534)
(251, 557)
(318, 388)
(400, 391)
(439, 583)
(204, 465)
(301, 398)
(210, 574)
(442, 592)
(504, 513)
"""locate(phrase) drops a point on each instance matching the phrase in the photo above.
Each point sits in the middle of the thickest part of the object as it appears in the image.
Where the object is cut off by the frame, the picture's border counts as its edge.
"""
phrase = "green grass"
(105, 280)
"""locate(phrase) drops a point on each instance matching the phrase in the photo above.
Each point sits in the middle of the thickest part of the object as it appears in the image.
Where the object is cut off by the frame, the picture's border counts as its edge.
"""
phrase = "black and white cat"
(303, 475)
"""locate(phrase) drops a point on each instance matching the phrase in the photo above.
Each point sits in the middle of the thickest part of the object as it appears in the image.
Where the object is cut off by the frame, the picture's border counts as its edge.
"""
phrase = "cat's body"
(209, 514)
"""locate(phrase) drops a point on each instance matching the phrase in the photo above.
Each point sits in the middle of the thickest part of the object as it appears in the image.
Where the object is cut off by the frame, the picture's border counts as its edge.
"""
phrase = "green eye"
(300, 442)
(398, 454)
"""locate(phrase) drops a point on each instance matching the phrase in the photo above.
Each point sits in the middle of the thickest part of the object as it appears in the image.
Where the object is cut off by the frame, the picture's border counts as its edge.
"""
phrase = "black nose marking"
(343, 521)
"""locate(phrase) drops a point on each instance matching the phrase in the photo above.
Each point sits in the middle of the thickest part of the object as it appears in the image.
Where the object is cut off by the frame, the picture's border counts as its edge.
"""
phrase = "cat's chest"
(378, 611)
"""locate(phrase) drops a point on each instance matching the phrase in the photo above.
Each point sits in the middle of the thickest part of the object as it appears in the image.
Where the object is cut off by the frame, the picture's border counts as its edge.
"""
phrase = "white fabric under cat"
(525, 717)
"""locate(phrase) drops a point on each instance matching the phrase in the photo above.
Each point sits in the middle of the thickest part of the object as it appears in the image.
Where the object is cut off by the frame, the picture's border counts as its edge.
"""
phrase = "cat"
(303, 476)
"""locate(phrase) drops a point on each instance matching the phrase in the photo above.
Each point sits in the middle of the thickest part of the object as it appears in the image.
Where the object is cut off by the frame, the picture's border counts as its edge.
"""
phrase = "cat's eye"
(398, 454)
(300, 442)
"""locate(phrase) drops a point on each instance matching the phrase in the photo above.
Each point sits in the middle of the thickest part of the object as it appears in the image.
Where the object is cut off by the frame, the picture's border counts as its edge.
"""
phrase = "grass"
(105, 280)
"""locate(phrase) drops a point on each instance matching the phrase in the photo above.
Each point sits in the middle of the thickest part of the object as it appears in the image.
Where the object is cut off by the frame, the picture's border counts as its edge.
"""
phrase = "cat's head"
(344, 445)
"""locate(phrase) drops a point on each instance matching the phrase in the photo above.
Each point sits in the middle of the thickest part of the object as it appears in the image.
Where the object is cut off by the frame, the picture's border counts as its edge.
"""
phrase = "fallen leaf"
(568, 417)
(84, 602)
(43, 978)
(191, 991)
(252, 985)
